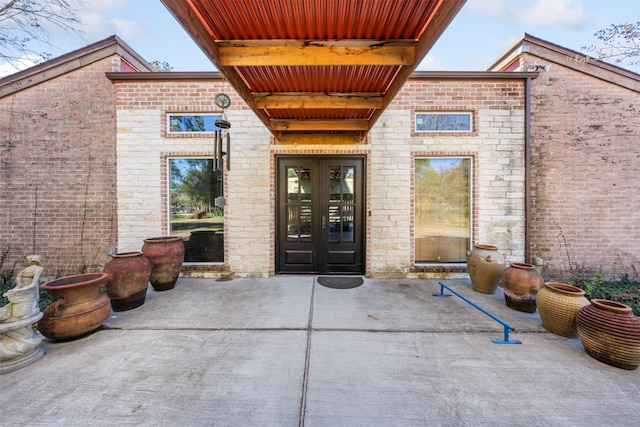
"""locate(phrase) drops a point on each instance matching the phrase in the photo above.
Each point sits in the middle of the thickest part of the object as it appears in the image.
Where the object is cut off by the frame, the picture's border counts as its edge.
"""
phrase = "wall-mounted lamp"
(537, 67)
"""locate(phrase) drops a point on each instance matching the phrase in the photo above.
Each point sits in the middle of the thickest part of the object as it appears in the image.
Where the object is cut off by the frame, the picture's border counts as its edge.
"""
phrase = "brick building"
(539, 163)
(58, 158)
(585, 157)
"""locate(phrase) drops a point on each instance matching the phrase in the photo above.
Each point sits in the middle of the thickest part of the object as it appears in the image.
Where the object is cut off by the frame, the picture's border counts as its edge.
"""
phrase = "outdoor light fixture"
(536, 67)
(222, 101)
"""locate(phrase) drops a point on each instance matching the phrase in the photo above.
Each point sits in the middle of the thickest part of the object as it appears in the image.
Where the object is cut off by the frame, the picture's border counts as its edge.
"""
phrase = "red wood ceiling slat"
(316, 19)
(318, 78)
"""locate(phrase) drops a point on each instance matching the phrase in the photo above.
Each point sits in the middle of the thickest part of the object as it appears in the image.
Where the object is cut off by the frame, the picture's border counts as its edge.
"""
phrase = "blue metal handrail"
(507, 327)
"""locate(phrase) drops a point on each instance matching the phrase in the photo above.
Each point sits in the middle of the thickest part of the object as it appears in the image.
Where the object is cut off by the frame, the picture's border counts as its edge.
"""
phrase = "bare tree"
(620, 43)
(25, 23)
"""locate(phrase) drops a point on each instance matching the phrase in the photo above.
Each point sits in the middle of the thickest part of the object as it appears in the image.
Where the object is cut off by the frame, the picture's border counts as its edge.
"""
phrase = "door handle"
(324, 221)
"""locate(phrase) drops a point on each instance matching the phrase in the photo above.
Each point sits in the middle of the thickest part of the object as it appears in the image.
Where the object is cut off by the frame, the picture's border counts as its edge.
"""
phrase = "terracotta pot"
(166, 255)
(485, 265)
(128, 280)
(610, 333)
(77, 308)
(521, 282)
(558, 304)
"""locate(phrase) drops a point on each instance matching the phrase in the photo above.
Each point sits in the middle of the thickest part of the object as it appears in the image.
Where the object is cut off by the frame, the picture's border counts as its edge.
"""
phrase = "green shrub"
(624, 290)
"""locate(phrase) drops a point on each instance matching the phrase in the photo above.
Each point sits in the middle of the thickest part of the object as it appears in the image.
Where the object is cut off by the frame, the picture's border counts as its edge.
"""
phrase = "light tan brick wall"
(496, 147)
(143, 150)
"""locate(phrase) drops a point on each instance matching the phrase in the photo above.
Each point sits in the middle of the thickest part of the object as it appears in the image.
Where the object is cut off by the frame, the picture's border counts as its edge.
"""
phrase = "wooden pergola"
(316, 71)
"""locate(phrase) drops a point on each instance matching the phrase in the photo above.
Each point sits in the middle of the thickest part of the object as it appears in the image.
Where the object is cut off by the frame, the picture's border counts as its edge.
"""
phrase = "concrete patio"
(287, 351)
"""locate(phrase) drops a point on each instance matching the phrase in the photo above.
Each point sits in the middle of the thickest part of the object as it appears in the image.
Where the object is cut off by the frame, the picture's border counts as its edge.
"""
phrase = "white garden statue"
(19, 340)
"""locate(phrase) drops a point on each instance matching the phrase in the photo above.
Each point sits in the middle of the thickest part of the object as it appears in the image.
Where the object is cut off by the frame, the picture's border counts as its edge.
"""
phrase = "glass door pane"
(442, 209)
(341, 203)
(299, 205)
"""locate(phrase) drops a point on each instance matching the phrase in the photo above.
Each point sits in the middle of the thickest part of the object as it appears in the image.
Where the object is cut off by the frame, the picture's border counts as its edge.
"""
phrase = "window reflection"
(442, 209)
(299, 206)
(341, 204)
(197, 208)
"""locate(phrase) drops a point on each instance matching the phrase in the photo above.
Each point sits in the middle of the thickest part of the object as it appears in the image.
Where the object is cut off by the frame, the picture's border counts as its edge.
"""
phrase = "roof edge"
(71, 61)
(472, 75)
(569, 58)
(417, 75)
(165, 76)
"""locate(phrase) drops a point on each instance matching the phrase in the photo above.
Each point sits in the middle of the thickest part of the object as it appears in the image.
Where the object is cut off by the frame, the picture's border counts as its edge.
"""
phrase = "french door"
(320, 215)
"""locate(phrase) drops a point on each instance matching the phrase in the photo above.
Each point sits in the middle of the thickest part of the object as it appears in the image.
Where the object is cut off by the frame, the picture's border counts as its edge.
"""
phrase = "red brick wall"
(461, 94)
(58, 171)
(175, 96)
(585, 166)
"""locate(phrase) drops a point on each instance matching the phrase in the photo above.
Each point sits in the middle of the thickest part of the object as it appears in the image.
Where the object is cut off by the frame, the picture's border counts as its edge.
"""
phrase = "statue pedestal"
(20, 343)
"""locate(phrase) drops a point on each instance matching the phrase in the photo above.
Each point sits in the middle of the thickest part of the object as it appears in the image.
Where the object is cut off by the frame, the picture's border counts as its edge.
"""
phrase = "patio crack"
(305, 378)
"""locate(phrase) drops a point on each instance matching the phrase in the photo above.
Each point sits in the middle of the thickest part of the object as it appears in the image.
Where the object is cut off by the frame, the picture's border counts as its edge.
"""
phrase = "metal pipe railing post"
(507, 327)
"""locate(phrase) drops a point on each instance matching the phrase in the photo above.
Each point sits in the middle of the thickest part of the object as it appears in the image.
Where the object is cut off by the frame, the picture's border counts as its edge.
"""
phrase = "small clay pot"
(521, 282)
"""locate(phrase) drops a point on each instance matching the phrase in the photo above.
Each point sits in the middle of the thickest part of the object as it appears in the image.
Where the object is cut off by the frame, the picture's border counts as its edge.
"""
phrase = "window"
(190, 123)
(197, 208)
(444, 122)
(442, 209)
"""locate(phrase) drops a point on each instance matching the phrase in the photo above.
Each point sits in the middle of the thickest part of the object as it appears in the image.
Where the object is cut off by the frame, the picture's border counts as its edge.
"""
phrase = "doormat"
(340, 282)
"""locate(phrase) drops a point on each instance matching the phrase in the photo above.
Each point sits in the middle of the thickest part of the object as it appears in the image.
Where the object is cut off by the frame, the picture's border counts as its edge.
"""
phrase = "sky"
(478, 35)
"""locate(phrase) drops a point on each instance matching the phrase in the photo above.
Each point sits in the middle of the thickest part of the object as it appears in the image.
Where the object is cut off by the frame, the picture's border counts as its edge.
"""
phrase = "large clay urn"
(166, 255)
(521, 282)
(77, 308)
(485, 266)
(558, 304)
(128, 280)
(610, 333)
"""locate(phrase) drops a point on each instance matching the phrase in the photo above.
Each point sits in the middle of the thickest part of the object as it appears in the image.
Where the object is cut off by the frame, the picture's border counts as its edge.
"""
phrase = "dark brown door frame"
(325, 252)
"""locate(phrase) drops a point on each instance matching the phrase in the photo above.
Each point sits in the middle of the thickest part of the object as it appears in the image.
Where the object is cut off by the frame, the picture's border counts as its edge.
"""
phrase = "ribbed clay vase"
(521, 282)
(166, 255)
(128, 280)
(610, 333)
(558, 304)
(485, 266)
(77, 308)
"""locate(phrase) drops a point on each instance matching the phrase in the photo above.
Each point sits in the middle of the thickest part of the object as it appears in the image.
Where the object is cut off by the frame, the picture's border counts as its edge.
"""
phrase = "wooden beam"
(321, 138)
(271, 53)
(318, 100)
(318, 125)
